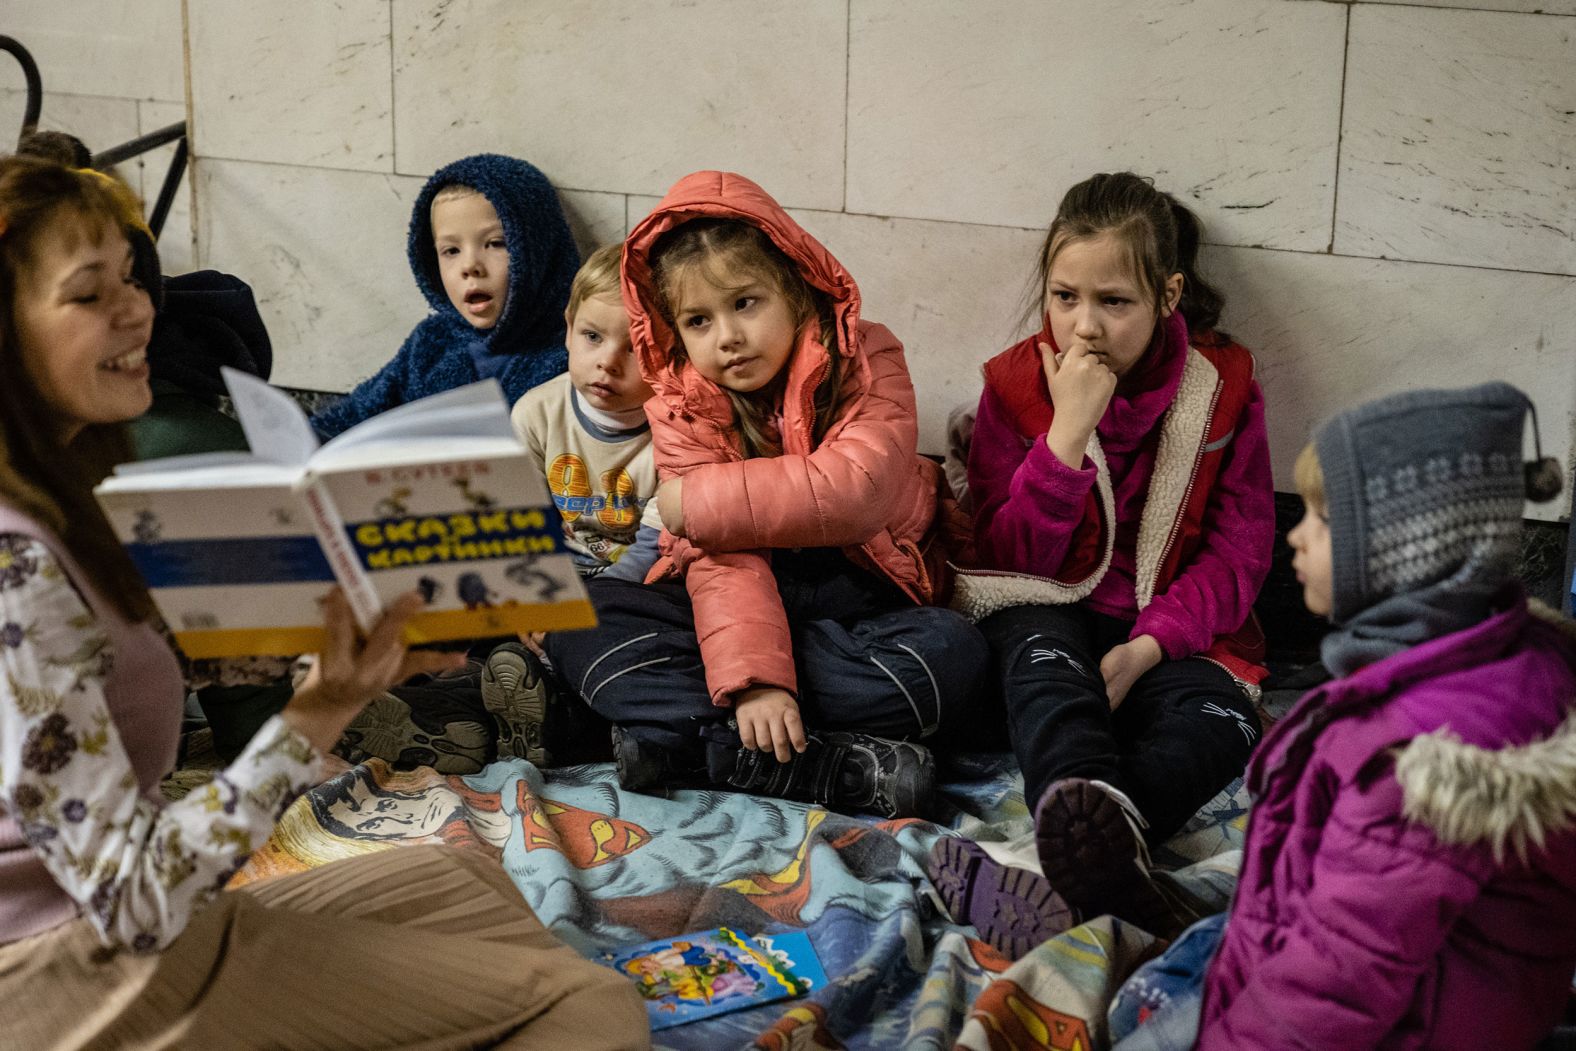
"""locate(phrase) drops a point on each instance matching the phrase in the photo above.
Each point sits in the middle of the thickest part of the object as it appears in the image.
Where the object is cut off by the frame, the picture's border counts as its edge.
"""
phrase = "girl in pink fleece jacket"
(1124, 516)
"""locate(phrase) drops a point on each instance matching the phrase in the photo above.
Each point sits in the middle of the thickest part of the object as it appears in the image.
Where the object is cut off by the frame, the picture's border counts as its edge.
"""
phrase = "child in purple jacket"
(1409, 877)
(1124, 517)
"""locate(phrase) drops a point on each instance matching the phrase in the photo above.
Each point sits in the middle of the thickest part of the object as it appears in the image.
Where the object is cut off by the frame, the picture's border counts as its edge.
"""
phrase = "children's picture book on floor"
(715, 972)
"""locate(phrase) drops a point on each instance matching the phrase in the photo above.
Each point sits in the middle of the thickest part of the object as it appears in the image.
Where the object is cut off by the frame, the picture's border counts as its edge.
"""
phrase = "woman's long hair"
(40, 476)
(713, 247)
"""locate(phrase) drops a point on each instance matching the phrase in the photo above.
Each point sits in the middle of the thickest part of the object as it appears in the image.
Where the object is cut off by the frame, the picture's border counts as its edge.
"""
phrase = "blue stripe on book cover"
(218, 561)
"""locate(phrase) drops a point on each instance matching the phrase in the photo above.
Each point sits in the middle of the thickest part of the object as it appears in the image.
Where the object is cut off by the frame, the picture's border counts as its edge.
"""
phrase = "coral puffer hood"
(543, 257)
(724, 195)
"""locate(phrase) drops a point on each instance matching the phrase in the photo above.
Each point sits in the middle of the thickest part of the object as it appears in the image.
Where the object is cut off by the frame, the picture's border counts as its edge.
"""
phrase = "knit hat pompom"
(1425, 488)
(1544, 479)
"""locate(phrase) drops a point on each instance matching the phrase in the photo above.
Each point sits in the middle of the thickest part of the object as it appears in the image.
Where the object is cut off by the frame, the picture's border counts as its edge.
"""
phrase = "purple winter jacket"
(1409, 878)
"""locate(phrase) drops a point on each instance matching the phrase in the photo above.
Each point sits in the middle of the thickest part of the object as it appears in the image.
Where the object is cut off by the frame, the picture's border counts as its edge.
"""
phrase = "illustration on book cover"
(714, 972)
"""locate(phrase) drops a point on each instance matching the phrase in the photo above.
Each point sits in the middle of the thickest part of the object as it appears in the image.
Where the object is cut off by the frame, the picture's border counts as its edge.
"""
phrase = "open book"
(436, 496)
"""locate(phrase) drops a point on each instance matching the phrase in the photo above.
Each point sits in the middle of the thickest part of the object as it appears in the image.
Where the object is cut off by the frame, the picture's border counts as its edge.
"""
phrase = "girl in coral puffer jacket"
(783, 644)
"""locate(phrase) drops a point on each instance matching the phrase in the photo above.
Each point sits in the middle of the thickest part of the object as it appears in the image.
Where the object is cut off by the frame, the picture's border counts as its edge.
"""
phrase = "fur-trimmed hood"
(1409, 874)
(1510, 798)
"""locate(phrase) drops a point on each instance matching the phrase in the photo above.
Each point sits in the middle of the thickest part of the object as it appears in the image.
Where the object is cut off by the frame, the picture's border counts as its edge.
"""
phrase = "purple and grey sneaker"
(1091, 845)
(1013, 908)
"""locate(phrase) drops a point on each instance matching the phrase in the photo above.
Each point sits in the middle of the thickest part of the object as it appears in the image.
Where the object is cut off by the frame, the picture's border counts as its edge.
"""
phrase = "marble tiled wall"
(112, 70)
(1389, 189)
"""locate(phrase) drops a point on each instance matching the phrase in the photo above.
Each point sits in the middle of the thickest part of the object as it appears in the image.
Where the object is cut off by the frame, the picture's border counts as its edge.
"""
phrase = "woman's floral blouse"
(137, 868)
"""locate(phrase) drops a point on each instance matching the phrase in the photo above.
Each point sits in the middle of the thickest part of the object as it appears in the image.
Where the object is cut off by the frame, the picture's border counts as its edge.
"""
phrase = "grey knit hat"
(1423, 487)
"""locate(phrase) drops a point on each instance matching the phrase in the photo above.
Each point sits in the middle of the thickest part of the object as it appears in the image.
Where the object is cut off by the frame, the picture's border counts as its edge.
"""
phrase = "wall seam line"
(1478, 10)
(1340, 133)
(848, 65)
(393, 122)
(193, 198)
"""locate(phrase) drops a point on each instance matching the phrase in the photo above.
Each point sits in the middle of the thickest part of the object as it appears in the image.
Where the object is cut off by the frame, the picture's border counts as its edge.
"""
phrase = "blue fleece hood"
(543, 257)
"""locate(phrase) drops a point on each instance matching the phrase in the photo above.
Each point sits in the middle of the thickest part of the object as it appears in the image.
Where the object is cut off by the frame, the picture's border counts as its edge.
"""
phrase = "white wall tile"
(986, 112)
(293, 82)
(627, 98)
(639, 207)
(98, 122)
(595, 219)
(175, 240)
(1460, 139)
(953, 293)
(324, 251)
(1332, 332)
(124, 48)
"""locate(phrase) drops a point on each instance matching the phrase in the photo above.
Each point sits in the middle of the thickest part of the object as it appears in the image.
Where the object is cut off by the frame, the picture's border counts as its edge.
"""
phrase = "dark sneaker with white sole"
(518, 692)
(844, 771)
(1013, 909)
(1091, 846)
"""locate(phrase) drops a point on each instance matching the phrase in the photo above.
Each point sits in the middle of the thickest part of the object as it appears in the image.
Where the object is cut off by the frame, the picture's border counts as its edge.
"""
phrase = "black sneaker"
(649, 768)
(847, 771)
(518, 692)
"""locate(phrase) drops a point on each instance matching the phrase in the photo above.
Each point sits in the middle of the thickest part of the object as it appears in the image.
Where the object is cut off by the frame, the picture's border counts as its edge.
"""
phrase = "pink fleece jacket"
(1029, 506)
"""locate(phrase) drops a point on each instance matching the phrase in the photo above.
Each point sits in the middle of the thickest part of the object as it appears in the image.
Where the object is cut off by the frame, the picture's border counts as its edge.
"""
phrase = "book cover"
(716, 972)
(436, 496)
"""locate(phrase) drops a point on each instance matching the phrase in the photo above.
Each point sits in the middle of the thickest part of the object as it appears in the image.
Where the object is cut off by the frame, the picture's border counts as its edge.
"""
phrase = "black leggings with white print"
(868, 661)
(1183, 732)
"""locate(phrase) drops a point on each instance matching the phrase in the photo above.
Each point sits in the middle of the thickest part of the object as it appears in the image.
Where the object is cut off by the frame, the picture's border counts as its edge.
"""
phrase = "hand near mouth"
(1080, 386)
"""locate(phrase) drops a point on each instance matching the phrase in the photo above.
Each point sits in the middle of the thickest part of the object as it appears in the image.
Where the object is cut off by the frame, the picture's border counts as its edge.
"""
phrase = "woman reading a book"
(114, 929)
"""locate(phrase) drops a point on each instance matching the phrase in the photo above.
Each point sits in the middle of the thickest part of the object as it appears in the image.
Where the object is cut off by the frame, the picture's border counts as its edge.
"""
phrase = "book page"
(184, 462)
(246, 474)
(276, 428)
(476, 410)
(400, 450)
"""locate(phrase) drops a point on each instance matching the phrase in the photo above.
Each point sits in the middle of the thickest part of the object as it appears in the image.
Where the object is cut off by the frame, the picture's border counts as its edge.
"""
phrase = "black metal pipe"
(141, 144)
(172, 182)
(35, 84)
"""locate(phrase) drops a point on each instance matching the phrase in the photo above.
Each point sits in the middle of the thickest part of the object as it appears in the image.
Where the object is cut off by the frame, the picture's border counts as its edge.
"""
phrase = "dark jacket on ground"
(206, 320)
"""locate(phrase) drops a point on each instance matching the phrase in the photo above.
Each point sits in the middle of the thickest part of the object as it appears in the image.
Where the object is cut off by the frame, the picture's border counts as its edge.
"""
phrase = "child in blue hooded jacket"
(491, 251)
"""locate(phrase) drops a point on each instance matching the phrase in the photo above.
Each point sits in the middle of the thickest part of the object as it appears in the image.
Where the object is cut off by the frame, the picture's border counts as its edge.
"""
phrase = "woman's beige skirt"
(415, 948)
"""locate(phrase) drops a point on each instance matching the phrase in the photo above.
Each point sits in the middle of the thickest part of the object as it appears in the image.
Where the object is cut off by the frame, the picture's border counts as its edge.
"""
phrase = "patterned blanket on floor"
(604, 868)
